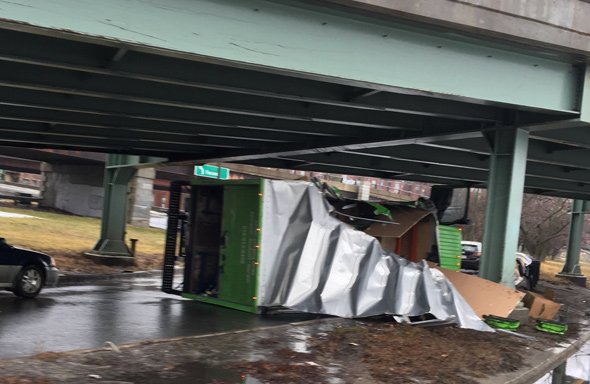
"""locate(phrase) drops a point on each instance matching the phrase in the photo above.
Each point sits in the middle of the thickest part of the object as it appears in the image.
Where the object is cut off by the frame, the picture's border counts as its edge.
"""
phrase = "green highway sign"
(212, 171)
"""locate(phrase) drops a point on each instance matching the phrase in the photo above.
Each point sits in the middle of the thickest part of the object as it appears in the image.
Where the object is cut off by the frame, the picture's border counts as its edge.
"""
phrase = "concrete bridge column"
(141, 197)
(73, 188)
(504, 205)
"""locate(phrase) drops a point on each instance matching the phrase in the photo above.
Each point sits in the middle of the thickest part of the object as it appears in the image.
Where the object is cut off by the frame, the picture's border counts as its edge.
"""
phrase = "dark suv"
(25, 272)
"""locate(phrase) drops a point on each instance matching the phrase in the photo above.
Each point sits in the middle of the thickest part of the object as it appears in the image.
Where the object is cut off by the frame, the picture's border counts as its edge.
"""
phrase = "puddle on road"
(191, 373)
(299, 340)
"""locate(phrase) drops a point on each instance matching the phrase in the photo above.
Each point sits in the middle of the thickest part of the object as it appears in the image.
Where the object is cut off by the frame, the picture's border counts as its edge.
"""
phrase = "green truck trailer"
(218, 236)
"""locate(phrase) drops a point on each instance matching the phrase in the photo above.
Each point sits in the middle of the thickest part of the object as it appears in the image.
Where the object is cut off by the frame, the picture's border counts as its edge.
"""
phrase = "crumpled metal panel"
(313, 262)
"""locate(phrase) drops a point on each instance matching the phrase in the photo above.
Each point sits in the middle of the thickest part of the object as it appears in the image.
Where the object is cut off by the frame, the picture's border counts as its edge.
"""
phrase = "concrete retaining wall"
(141, 197)
(78, 189)
(75, 189)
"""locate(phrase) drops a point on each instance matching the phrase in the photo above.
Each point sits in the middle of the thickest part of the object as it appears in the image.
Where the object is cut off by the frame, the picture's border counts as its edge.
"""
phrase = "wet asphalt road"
(120, 311)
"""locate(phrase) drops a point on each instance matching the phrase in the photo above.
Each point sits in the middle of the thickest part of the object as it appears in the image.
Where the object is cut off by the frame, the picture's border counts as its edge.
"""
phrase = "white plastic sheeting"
(313, 262)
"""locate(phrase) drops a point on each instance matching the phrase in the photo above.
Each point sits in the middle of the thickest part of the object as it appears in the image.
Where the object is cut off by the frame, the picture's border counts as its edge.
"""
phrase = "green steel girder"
(119, 171)
(35, 140)
(577, 137)
(325, 146)
(252, 79)
(585, 96)
(357, 161)
(543, 187)
(122, 134)
(94, 59)
(543, 152)
(141, 126)
(503, 207)
(165, 113)
(447, 164)
(574, 242)
(59, 80)
(114, 212)
(457, 159)
(327, 168)
(318, 42)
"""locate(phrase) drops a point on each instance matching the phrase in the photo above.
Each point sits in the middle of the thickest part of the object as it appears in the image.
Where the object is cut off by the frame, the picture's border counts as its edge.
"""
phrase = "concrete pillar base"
(111, 259)
(576, 279)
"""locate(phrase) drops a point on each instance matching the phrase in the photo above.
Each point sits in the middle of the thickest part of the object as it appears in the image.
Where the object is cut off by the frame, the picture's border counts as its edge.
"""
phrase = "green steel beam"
(570, 190)
(369, 140)
(311, 41)
(585, 96)
(114, 212)
(540, 151)
(460, 159)
(577, 137)
(90, 59)
(58, 80)
(165, 113)
(359, 161)
(119, 170)
(504, 204)
(119, 135)
(574, 242)
(35, 140)
(141, 126)
(574, 181)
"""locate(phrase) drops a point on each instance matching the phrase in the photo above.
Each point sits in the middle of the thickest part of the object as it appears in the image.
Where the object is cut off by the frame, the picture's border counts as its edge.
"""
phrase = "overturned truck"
(257, 244)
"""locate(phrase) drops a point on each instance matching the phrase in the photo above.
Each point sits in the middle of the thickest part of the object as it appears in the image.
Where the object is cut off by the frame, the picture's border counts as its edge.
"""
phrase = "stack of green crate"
(449, 247)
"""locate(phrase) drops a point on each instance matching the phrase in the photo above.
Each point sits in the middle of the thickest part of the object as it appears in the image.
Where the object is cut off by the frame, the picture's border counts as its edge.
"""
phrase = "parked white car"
(526, 270)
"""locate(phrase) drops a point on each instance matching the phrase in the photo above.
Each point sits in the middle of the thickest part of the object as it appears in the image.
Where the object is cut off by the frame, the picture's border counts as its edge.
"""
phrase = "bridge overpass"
(462, 93)
(67, 176)
(73, 180)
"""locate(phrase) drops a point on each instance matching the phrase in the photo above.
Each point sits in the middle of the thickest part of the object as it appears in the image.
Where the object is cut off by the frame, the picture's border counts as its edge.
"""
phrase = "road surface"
(120, 311)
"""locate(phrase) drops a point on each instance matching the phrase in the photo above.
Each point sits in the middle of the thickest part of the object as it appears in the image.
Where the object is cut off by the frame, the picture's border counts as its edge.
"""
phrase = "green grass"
(67, 237)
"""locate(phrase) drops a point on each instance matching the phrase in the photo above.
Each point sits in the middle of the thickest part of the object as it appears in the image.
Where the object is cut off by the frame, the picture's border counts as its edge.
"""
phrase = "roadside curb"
(82, 278)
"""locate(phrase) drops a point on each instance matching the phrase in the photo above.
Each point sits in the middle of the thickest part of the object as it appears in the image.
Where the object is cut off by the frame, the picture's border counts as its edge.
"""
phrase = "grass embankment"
(67, 237)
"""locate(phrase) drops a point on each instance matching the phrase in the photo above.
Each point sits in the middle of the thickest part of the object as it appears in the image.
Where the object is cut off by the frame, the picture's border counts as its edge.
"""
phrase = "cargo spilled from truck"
(259, 244)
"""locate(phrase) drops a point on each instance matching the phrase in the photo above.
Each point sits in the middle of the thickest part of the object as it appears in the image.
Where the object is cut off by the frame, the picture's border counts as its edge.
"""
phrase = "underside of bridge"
(291, 85)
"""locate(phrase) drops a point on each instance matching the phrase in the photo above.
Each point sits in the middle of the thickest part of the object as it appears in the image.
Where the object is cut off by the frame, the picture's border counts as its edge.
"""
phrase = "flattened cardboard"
(541, 307)
(484, 296)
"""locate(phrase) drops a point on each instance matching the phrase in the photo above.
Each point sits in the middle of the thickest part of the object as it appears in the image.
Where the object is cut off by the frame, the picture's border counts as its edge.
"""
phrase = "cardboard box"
(541, 307)
(411, 236)
(484, 296)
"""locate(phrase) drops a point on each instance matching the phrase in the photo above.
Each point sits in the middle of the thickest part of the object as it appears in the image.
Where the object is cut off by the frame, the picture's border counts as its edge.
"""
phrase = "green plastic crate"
(449, 247)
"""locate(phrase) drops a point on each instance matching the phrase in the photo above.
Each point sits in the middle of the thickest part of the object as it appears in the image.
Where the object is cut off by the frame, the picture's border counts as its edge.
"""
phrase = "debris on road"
(555, 327)
(541, 307)
(484, 296)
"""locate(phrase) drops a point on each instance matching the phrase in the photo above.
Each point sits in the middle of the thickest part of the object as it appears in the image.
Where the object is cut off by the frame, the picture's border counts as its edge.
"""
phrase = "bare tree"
(544, 224)
(477, 209)
(543, 227)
